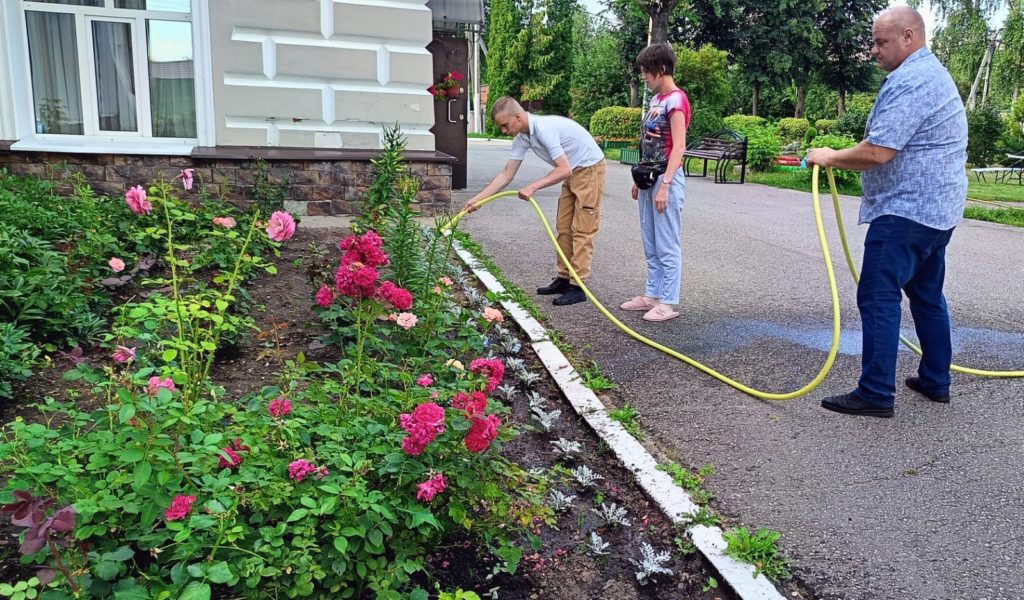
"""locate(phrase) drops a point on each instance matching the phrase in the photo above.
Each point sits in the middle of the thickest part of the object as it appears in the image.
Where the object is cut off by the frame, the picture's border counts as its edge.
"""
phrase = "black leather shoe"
(574, 295)
(558, 285)
(848, 404)
(914, 383)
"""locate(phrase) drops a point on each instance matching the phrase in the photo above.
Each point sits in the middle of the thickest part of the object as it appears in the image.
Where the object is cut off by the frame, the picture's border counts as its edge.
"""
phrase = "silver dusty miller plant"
(510, 345)
(567, 448)
(546, 419)
(560, 502)
(528, 378)
(585, 477)
(536, 400)
(506, 391)
(596, 545)
(516, 366)
(651, 563)
(613, 515)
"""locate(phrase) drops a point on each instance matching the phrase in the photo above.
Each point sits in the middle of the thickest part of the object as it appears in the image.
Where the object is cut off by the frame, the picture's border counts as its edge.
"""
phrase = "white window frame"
(12, 25)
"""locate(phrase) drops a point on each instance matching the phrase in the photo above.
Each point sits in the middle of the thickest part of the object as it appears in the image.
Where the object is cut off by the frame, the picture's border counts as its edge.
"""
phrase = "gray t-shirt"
(919, 114)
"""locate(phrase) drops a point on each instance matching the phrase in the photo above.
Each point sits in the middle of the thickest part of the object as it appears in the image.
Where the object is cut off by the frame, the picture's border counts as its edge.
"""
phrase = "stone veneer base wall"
(318, 184)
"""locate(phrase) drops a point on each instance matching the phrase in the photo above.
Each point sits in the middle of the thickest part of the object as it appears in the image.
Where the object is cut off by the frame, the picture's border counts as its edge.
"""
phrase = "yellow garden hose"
(833, 350)
(856, 279)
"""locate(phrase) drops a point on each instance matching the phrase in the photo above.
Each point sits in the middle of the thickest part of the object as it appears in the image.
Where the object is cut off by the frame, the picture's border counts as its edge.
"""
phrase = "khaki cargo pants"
(578, 217)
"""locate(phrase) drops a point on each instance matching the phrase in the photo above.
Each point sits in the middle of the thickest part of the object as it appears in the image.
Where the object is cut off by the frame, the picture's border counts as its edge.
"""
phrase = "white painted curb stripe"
(672, 499)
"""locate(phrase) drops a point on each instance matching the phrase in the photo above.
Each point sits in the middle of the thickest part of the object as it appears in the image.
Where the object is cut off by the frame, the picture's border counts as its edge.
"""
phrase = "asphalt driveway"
(928, 504)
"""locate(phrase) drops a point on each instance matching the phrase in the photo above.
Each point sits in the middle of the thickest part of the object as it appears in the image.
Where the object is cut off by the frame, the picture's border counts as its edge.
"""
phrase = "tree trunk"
(754, 97)
(842, 103)
(658, 31)
(801, 96)
(632, 92)
(658, 11)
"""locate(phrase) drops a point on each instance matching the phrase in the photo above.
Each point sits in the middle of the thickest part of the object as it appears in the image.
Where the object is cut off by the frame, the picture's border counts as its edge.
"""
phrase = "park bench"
(726, 147)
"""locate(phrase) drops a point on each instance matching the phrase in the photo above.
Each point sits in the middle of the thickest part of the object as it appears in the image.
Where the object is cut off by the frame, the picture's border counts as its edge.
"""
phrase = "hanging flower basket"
(449, 86)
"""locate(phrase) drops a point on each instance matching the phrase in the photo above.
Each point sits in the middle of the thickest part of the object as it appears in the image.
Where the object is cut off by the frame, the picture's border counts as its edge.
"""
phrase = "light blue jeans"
(660, 235)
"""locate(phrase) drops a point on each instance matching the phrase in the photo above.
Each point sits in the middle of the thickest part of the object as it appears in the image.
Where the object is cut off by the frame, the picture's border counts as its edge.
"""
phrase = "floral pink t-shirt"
(656, 132)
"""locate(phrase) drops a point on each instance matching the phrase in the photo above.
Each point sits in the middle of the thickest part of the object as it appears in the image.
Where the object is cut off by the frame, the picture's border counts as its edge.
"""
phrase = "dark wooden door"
(450, 125)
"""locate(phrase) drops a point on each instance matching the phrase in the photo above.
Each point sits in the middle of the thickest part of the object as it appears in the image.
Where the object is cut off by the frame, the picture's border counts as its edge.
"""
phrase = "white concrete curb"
(672, 499)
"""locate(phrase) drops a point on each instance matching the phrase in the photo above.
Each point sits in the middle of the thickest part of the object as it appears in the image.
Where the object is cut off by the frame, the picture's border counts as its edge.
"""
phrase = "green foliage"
(763, 148)
(843, 177)
(17, 354)
(984, 129)
(692, 482)
(38, 294)
(809, 136)
(267, 195)
(353, 527)
(703, 122)
(1013, 135)
(387, 169)
(616, 123)
(792, 129)
(627, 417)
(759, 550)
(1006, 216)
(594, 379)
(599, 75)
(551, 56)
(825, 125)
(508, 39)
(855, 119)
(744, 124)
(702, 74)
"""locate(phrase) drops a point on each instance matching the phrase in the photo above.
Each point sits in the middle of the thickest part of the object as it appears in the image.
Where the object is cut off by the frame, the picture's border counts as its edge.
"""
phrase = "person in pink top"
(659, 184)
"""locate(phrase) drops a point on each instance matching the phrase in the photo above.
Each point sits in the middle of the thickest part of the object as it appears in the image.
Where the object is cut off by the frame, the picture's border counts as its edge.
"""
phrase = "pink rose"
(406, 320)
(324, 296)
(433, 486)
(123, 354)
(424, 380)
(136, 200)
(156, 383)
(280, 407)
(228, 458)
(481, 432)
(225, 222)
(186, 179)
(447, 281)
(297, 470)
(180, 507)
(280, 226)
(116, 264)
(493, 315)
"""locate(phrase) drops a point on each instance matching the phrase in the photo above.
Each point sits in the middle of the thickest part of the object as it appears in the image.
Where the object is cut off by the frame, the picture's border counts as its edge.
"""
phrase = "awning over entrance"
(457, 15)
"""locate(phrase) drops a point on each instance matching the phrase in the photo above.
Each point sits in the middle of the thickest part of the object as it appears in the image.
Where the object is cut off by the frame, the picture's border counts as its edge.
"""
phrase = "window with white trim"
(112, 68)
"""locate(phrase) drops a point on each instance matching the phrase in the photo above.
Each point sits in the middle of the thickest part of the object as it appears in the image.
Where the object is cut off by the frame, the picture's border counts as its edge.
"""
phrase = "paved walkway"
(928, 504)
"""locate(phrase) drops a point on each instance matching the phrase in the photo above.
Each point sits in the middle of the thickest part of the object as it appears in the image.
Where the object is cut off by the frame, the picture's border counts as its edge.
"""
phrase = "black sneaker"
(848, 404)
(558, 285)
(574, 295)
(914, 383)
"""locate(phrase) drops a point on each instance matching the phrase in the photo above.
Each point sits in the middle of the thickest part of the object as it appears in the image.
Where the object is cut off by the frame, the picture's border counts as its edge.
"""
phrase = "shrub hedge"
(616, 124)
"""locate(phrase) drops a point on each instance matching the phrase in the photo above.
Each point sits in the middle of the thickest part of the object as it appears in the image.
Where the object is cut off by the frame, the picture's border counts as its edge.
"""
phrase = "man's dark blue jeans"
(900, 254)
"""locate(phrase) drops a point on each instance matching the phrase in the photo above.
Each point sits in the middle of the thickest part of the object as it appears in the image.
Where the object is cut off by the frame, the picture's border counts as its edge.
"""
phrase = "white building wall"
(321, 73)
(6, 91)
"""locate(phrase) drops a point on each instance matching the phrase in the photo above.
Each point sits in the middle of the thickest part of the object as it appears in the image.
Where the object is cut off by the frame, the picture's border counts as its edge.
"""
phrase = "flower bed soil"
(561, 569)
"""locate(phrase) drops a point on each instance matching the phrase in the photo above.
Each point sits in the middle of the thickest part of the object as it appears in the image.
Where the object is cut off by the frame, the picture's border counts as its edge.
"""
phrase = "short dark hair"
(657, 59)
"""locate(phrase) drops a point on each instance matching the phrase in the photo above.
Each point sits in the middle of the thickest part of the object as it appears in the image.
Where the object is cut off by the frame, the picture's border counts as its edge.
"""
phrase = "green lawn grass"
(1001, 192)
(613, 154)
